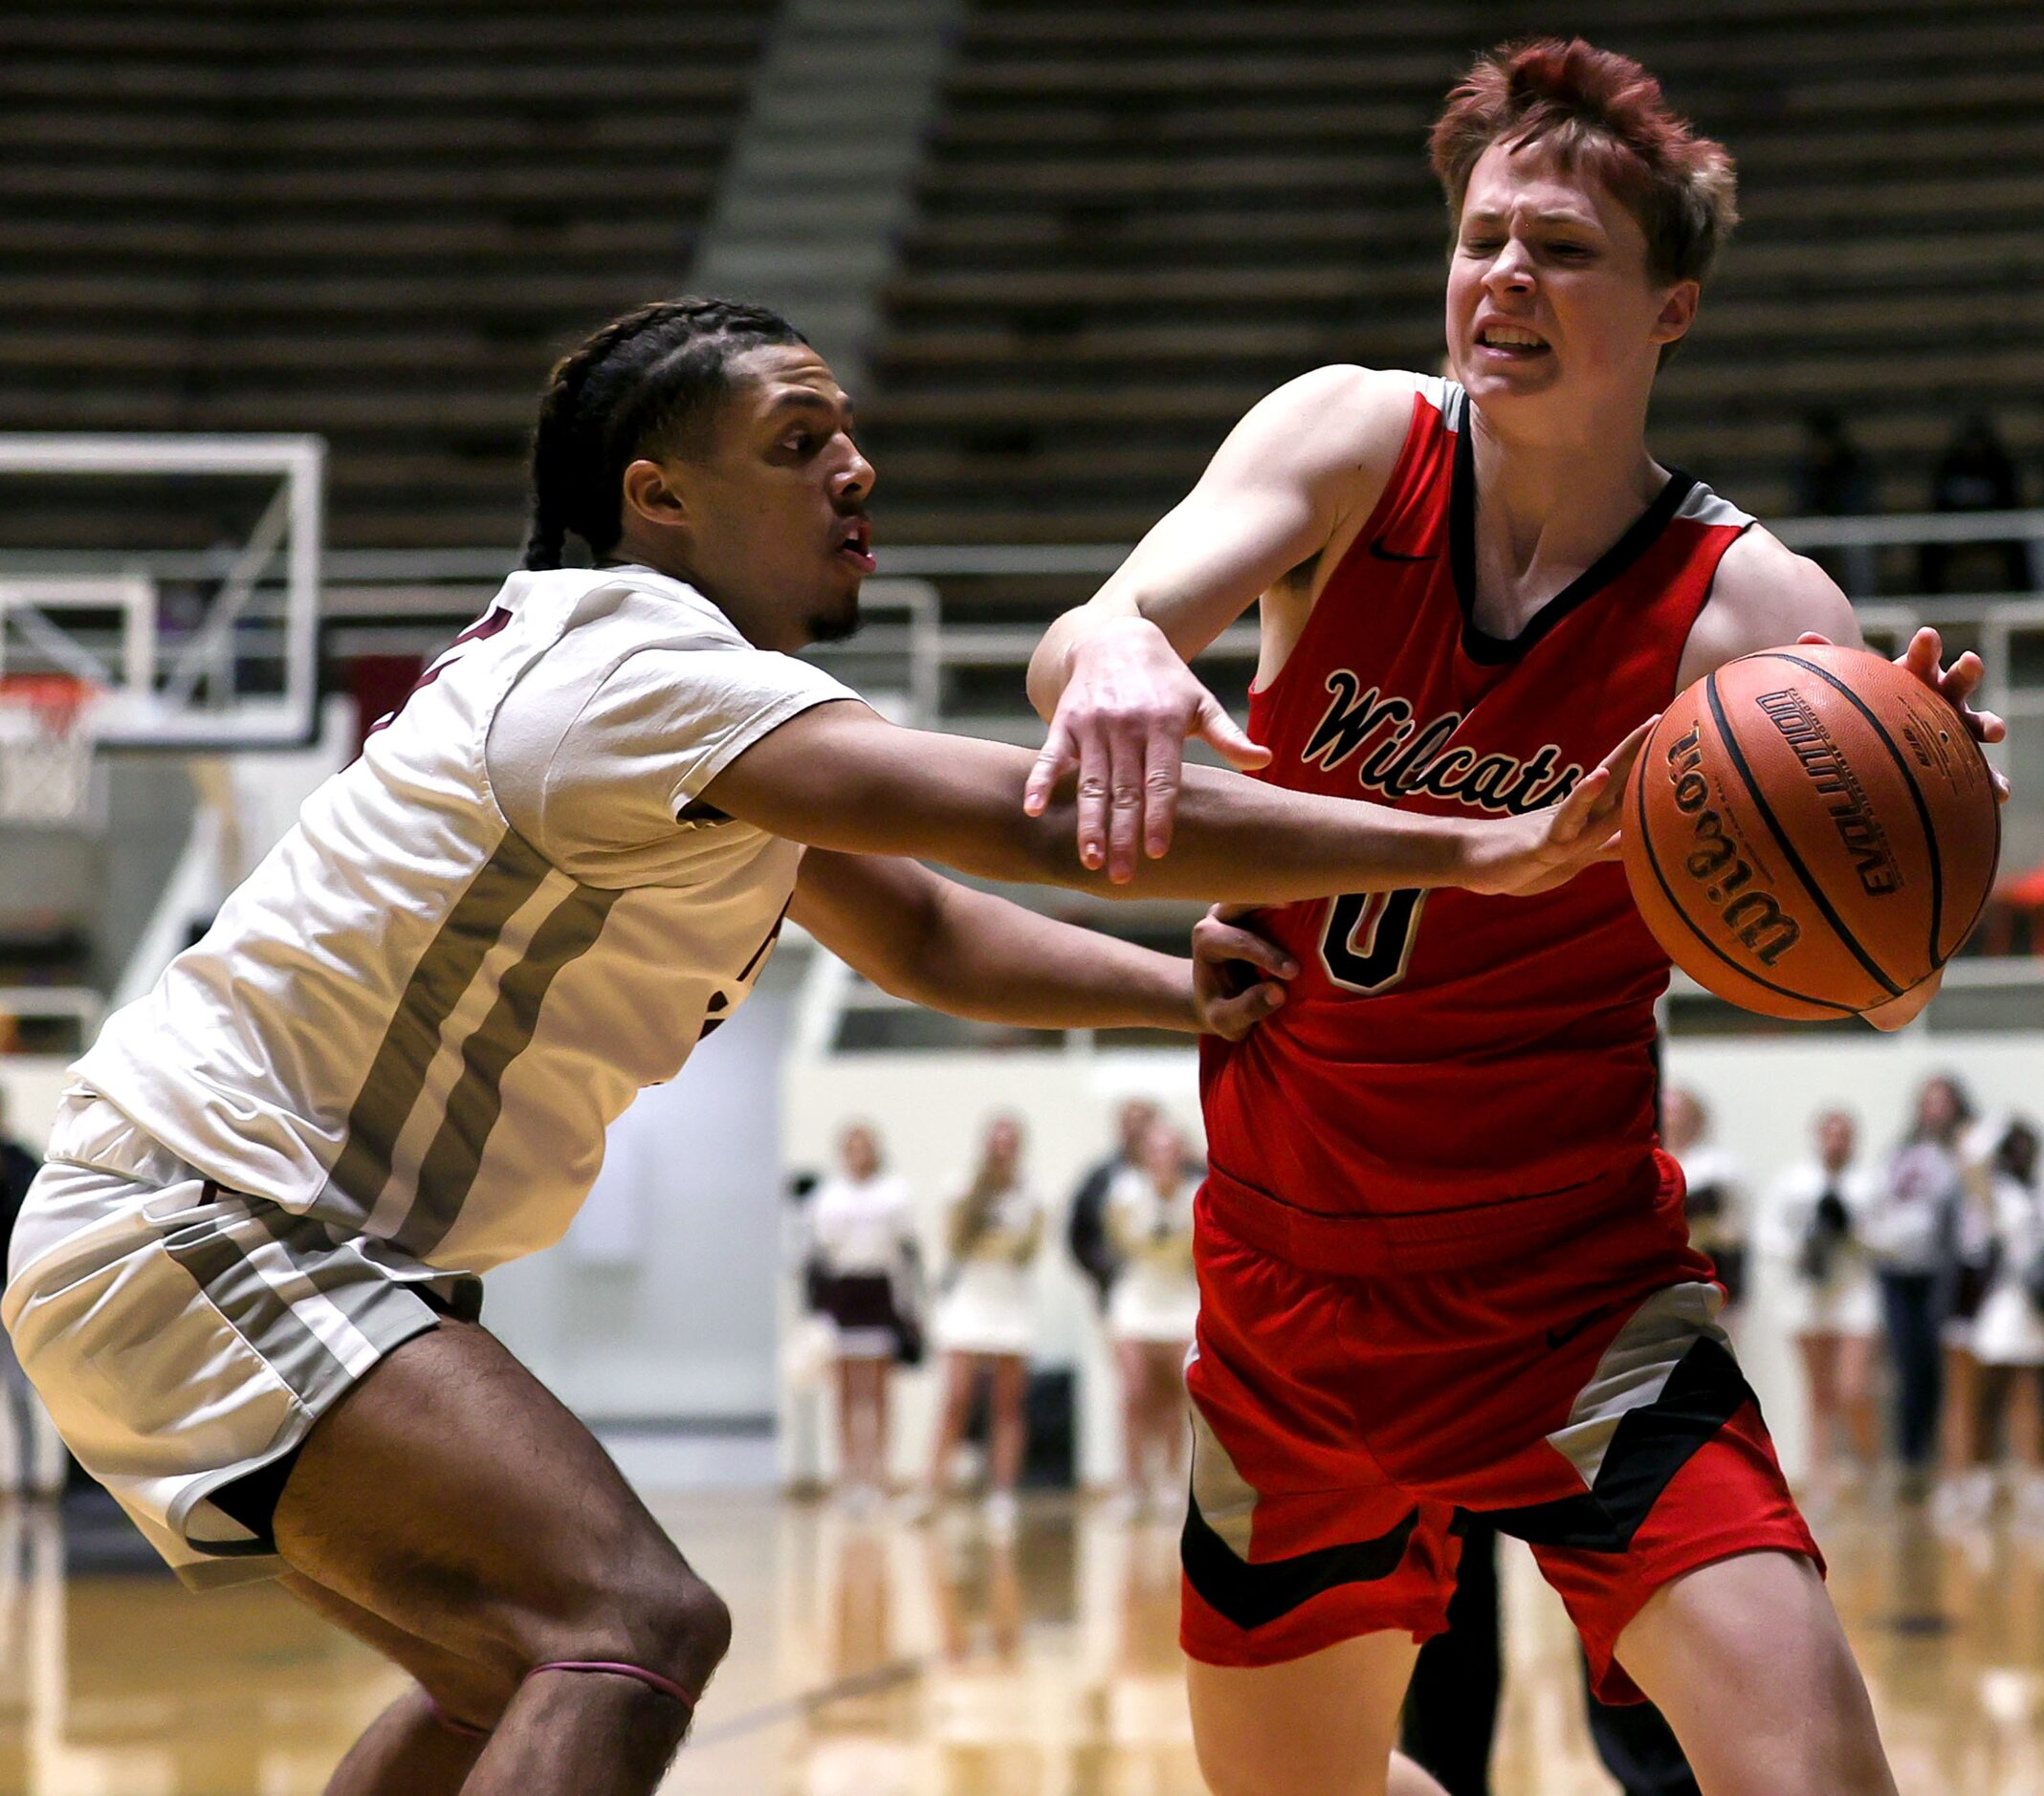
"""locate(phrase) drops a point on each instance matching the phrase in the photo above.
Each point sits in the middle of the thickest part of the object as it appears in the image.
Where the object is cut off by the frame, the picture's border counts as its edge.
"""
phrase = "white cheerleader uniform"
(2009, 1331)
(986, 1307)
(1846, 1300)
(1157, 1298)
(1722, 1233)
(861, 1229)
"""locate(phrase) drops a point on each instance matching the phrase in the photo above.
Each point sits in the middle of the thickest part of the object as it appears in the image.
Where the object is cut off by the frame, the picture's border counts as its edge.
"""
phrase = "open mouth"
(855, 543)
(1511, 342)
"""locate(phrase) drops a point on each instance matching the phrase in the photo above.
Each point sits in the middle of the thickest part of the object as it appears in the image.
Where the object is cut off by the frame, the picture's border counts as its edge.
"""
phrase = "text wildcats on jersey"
(1399, 760)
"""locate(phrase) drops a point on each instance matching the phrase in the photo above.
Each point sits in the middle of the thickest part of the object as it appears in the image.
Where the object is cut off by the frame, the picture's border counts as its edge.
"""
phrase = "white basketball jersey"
(418, 1016)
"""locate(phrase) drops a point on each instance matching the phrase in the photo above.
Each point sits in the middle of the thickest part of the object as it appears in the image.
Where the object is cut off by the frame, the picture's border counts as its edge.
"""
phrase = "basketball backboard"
(184, 648)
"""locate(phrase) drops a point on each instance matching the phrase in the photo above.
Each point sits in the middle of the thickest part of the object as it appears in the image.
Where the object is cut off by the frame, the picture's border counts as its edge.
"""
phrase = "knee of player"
(689, 1623)
(661, 1618)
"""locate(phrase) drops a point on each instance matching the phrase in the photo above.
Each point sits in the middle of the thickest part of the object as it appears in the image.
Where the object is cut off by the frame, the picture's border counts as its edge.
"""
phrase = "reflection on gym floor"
(877, 1659)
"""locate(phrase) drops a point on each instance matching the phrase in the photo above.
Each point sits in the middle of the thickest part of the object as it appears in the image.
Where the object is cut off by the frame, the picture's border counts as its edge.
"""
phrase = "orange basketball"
(1811, 832)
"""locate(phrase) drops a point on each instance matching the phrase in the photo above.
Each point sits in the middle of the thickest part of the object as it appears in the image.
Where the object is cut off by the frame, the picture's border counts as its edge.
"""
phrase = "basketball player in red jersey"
(1443, 1266)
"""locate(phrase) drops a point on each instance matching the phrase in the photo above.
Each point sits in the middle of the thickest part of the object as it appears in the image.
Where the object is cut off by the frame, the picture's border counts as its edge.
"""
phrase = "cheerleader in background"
(1911, 1232)
(1965, 1271)
(1151, 1311)
(984, 1320)
(2008, 1335)
(1815, 1228)
(1716, 1183)
(863, 1234)
(33, 1460)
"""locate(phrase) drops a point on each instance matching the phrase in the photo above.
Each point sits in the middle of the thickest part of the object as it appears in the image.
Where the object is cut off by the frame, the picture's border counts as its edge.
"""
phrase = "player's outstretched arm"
(839, 776)
(943, 945)
(1110, 677)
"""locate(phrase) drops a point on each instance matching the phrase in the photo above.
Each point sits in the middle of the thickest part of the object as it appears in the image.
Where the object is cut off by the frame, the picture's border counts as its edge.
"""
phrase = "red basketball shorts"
(1579, 1395)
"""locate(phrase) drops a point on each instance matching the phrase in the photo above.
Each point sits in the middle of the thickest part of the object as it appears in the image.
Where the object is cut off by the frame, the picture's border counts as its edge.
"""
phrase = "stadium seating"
(1136, 218)
(378, 221)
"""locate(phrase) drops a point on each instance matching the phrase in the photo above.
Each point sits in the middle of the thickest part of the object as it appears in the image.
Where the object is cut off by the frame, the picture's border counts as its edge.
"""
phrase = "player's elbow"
(918, 963)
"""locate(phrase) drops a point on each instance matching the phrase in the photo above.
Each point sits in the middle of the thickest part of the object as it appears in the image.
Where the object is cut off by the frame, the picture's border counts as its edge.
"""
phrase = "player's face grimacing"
(1548, 286)
(768, 516)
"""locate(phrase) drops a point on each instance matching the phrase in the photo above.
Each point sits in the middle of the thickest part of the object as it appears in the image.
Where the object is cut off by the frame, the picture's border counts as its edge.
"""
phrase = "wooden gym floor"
(876, 1659)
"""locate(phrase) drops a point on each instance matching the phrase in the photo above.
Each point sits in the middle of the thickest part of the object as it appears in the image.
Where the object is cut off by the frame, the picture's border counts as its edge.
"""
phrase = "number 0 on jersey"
(1369, 937)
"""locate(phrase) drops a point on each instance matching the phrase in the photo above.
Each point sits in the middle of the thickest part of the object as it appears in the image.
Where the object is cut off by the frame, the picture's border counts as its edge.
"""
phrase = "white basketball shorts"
(184, 1335)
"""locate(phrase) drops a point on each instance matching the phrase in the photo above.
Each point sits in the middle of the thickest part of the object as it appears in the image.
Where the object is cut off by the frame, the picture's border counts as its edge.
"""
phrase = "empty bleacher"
(1136, 217)
(378, 221)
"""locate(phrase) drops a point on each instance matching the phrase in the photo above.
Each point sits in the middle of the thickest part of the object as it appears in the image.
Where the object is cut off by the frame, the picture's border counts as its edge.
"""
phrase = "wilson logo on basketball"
(1755, 917)
(1835, 783)
(1398, 759)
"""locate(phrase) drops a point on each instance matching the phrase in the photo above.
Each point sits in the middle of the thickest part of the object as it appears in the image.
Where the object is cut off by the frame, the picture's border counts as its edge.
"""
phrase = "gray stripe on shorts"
(1225, 1499)
(363, 1292)
(375, 1303)
(473, 1106)
(397, 1074)
(254, 1308)
(1635, 1367)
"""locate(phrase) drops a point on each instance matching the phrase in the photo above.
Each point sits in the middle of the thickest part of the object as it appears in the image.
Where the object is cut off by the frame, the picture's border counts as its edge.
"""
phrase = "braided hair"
(649, 378)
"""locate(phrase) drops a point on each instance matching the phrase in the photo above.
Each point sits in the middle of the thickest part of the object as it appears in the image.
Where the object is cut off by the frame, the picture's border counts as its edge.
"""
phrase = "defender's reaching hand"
(1546, 848)
(1237, 976)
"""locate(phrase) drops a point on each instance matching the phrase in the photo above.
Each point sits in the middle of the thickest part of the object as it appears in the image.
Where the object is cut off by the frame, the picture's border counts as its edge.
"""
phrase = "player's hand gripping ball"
(1811, 832)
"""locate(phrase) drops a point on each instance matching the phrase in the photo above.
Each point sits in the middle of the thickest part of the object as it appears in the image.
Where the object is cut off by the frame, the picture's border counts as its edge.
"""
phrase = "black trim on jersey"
(773, 935)
(1382, 554)
(1648, 1446)
(1478, 643)
(1252, 1594)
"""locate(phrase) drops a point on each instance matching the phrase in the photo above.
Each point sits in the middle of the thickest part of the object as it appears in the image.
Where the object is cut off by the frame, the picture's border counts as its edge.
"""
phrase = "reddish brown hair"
(1603, 112)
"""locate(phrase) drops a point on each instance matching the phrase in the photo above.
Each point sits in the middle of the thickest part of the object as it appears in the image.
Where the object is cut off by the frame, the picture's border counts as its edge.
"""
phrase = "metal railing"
(398, 599)
(76, 1005)
(912, 656)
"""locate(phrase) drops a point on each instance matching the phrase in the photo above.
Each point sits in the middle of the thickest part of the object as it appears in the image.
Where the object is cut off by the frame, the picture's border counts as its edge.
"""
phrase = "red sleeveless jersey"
(1442, 1051)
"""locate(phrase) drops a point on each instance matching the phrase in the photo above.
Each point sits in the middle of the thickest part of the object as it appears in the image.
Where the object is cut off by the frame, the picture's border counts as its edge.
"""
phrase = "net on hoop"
(45, 747)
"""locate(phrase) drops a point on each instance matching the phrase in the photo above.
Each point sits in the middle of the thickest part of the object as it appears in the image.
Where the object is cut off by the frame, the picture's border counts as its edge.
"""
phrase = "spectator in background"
(1910, 1233)
(2010, 1336)
(1965, 1480)
(1716, 1184)
(1834, 479)
(1087, 1231)
(1152, 1312)
(984, 1321)
(1975, 473)
(18, 1167)
(1832, 1307)
(862, 1232)
(32, 1456)
(808, 1345)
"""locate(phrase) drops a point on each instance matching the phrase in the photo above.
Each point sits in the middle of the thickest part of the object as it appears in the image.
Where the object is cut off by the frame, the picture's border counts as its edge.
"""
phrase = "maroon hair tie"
(652, 1680)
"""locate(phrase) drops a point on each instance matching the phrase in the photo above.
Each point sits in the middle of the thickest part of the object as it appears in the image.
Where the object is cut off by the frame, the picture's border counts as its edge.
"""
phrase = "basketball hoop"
(46, 748)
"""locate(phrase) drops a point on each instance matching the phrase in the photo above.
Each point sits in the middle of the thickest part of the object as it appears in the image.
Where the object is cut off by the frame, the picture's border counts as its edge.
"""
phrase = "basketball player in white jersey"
(246, 1286)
